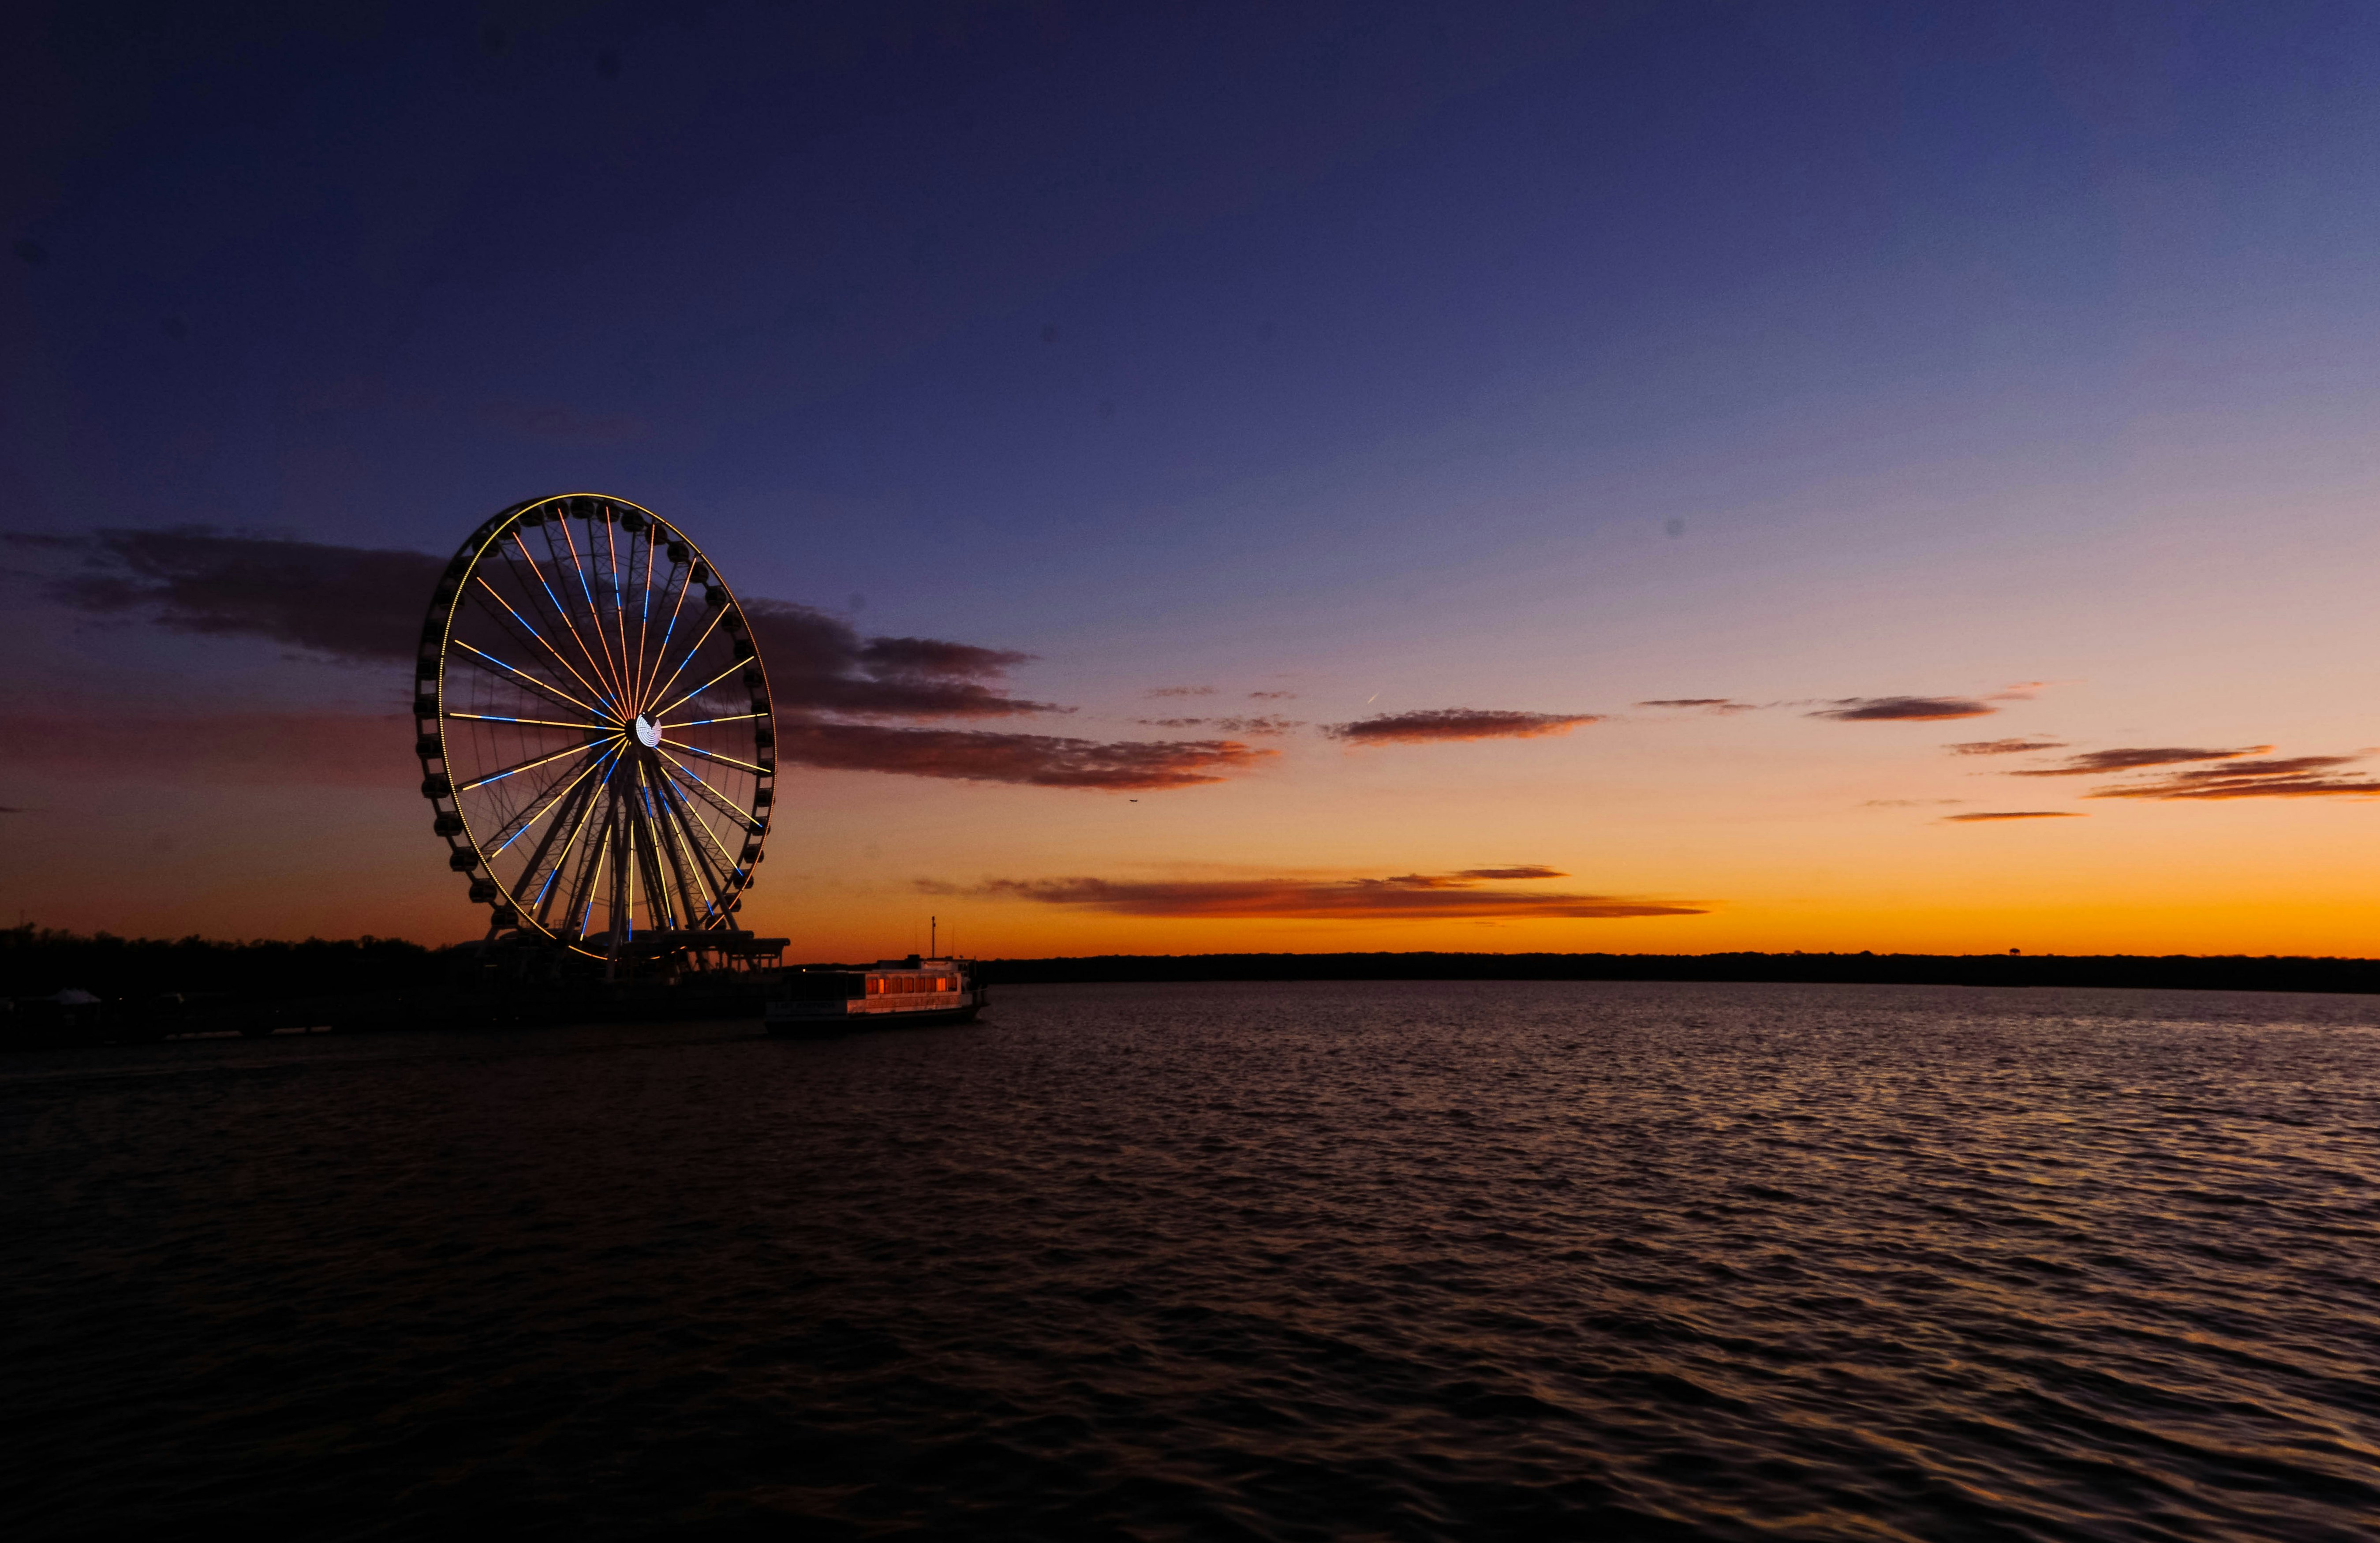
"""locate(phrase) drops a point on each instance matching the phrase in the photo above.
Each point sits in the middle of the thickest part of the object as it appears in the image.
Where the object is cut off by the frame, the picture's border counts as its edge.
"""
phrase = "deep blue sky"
(1540, 357)
(1056, 296)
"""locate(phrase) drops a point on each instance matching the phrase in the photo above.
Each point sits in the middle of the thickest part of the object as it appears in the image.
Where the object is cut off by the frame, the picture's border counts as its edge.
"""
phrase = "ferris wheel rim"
(617, 695)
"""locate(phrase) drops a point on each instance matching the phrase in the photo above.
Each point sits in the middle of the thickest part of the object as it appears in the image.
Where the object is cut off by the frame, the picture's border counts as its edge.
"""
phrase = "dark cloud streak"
(1704, 704)
(1409, 897)
(361, 606)
(2101, 762)
(1032, 760)
(1455, 724)
(2004, 747)
(355, 605)
(1263, 724)
(1903, 709)
(2287, 777)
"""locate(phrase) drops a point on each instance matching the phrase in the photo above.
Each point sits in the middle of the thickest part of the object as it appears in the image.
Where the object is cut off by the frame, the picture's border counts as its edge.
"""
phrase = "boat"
(904, 993)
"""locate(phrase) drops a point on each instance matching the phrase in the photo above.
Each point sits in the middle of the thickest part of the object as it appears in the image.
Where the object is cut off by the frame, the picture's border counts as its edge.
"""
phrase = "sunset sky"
(1649, 478)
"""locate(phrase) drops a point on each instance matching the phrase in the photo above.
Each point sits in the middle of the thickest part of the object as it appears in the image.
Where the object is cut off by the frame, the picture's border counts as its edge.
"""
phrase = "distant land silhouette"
(2169, 972)
(37, 961)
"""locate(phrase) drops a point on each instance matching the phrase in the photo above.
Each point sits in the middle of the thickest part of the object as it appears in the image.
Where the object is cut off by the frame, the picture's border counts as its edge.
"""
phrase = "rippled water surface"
(1453, 1261)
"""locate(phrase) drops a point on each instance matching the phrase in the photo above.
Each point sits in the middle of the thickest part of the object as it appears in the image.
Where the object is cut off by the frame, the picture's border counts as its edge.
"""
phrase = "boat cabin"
(912, 990)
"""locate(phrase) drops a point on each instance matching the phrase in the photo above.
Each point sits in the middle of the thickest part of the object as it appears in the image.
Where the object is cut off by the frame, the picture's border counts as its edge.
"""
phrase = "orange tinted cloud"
(1455, 724)
(1413, 896)
(1903, 709)
(2289, 777)
(2012, 814)
(2101, 762)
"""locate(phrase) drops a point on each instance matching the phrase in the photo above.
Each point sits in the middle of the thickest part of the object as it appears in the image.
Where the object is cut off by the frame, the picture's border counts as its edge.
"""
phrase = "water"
(1458, 1260)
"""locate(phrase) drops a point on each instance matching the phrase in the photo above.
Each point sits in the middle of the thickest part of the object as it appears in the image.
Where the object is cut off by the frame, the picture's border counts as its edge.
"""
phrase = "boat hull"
(785, 1025)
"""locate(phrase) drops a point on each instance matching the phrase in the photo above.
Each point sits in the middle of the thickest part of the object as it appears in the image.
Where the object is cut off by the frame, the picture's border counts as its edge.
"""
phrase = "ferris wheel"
(593, 725)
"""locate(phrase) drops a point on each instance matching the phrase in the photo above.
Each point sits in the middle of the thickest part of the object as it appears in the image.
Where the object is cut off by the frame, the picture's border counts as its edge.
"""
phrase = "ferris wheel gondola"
(592, 718)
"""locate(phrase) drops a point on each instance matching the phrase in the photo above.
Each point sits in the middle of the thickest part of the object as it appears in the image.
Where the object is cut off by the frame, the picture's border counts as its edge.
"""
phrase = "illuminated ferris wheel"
(593, 726)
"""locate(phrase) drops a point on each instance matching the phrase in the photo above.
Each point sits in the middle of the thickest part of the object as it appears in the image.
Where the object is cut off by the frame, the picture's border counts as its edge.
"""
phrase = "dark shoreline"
(152, 989)
(2169, 972)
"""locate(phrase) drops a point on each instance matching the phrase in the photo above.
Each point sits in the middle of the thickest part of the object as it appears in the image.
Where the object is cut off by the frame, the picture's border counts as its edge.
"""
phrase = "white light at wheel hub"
(648, 733)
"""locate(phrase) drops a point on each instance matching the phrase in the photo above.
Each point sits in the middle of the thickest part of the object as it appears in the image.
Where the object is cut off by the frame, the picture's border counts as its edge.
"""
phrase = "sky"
(1642, 478)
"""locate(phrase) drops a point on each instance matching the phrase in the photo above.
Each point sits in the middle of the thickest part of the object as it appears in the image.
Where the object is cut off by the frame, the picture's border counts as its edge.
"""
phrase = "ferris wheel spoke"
(702, 824)
(694, 891)
(524, 766)
(534, 582)
(562, 859)
(559, 611)
(582, 897)
(698, 722)
(594, 617)
(645, 603)
(647, 689)
(655, 857)
(713, 880)
(560, 788)
(562, 607)
(596, 875)
(724, 760)
(530, 722)
(570, 812)
(620, 598)
(689, 658)
(535, 635)
(706, 685)
(503, 671)
(725, 804)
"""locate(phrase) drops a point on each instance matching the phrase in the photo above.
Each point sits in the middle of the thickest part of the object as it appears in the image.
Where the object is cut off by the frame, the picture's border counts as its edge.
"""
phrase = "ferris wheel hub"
(648, 733)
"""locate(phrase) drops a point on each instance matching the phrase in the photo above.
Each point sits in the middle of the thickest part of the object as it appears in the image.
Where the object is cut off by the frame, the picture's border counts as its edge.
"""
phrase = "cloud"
(2289, 777)
(2022, 691)
(1455, 724)
(352, 603)
(1520, 870)
(1903, 709)
(2003, 747)
(1706, 704)
(2100, 762)
(1261, 723)
(819, 661)
(2013, 814)
(363, 606)
(367, 749)
(1037, 761)
(1409, 897)
(1271, 696)
(1179, 691)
